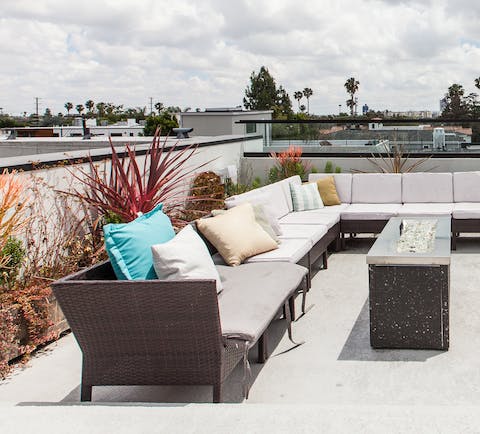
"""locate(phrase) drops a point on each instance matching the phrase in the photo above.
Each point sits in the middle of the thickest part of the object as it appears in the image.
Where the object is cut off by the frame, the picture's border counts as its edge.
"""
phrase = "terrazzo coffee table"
(409, 282)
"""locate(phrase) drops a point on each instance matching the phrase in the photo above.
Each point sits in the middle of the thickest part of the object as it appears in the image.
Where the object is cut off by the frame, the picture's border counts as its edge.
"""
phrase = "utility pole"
(37, 118)
(151, 106)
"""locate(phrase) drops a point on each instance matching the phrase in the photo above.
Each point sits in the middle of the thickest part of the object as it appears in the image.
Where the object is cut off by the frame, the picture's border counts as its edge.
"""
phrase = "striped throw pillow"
(305, 197)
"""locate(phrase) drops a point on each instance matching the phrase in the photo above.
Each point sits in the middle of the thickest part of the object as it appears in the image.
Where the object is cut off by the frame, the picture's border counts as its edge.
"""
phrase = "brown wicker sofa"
(155, 332)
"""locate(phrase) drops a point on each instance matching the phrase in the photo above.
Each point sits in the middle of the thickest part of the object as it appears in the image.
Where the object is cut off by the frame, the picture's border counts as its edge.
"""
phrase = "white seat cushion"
(421, 209)
(312, 232)
(427, 187)
(313, 217)
(377, 188)
(466, 210)
(371, 211)
(289, 250)
(465, 187)
(343, 184)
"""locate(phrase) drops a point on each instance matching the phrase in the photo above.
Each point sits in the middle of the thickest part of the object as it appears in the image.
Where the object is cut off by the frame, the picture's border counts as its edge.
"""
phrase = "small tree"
(80, 108)
(90, 105)
(159, 107)
(263, 94)
(457, 104)
(68, 106)
(165, 121)
(352, 87)
(101, 109)
(307, 93)
(298, 95)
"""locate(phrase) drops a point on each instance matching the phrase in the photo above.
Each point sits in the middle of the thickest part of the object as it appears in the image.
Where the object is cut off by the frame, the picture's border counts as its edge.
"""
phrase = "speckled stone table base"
(409, 306)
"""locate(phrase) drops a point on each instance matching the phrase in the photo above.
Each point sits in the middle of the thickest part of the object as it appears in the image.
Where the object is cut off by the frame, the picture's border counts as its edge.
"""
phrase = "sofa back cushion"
(343, 184)
(377, 188)
(427, 187)
(466, 186)
(294, 180)
(272, 196)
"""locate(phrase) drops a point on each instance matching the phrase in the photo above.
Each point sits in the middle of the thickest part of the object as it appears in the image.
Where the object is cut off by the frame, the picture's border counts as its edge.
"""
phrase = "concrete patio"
(335, 382)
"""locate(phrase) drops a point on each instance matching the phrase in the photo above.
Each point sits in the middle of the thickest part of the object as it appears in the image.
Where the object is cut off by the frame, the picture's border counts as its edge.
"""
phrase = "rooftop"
(335, 382)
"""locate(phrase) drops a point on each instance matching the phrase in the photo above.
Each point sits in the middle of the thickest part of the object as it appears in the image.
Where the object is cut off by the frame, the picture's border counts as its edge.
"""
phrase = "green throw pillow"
(305, 197)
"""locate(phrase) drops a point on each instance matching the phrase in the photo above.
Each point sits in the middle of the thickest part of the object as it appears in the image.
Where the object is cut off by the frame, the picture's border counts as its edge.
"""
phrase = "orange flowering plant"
(288, 163)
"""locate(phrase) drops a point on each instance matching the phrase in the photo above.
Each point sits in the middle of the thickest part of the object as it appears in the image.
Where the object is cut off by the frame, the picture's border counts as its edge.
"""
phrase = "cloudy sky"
(405, 53)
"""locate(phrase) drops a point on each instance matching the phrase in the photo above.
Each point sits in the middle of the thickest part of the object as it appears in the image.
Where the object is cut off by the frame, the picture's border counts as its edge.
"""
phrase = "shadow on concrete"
(468, 243)
(357, 347)
(179, 395)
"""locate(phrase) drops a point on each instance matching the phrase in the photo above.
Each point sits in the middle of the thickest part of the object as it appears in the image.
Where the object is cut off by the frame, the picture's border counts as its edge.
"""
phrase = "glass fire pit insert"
(409, 282)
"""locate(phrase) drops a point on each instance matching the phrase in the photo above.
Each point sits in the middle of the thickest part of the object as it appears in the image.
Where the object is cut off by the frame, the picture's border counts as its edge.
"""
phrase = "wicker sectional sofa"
(182, 333)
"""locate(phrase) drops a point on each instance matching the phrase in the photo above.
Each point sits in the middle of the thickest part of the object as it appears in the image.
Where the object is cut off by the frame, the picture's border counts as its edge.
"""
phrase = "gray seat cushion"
(252, 295)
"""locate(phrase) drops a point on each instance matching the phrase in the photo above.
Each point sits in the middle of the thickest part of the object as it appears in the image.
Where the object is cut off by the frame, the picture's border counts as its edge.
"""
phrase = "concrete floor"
(335, 379)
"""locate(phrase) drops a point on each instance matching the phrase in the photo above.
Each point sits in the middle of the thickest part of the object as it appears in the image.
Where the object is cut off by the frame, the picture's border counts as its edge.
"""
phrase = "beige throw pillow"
(236, 235)
(260, 217)
(328, 191)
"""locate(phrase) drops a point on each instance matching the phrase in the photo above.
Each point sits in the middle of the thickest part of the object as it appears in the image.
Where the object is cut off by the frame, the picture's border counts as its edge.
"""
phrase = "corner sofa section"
(305, 236)
(370, 199)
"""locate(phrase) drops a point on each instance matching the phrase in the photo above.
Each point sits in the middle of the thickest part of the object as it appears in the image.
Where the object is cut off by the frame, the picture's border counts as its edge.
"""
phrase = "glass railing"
(353, 136)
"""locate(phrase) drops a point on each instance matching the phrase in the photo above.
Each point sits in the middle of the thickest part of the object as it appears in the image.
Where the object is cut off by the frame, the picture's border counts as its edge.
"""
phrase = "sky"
(404, 53)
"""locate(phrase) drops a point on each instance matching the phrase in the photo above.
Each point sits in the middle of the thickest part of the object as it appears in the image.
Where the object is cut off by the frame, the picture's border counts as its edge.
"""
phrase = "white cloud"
(405, 53)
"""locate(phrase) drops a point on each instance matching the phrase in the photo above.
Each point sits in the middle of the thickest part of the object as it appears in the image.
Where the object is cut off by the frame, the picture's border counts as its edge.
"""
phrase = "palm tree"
(307, 93)
(159, 107)
(90, 105)
(298, 95)
(352, 86)
(80, 108)
(101, 109)
(68, 106)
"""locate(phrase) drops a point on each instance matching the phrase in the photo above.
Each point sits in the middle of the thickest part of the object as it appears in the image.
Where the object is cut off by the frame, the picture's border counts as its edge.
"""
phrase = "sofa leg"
(343, 245)
(217, 393)
(325, 260)
(291, 306)
(337, 246)
(262, 346)
(85, 392)
(454, 241)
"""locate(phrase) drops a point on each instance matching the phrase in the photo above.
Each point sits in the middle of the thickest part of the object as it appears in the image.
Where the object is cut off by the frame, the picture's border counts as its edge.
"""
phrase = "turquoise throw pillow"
(129, 244)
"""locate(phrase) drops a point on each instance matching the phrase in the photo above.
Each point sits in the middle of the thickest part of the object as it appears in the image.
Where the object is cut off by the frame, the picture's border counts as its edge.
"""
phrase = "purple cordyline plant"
(130, 189)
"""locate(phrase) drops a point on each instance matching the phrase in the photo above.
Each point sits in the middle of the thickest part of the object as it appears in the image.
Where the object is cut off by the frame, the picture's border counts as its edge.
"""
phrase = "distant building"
(128, 128)
(413, 114)
(222, 121)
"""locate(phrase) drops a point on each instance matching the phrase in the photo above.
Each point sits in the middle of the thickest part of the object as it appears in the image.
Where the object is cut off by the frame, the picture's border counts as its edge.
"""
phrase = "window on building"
(251, 128)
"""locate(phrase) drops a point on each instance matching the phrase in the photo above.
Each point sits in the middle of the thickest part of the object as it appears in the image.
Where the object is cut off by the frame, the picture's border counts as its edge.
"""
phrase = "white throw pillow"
(184, 257)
